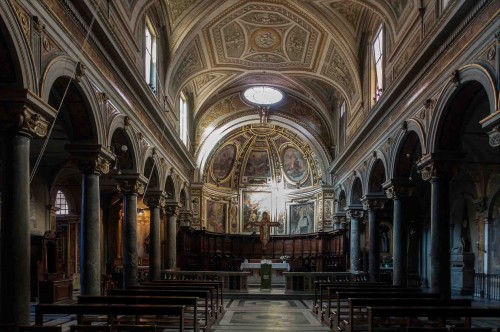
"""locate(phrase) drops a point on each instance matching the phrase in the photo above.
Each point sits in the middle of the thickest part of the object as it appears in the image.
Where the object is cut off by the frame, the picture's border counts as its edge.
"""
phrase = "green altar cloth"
(265, 276)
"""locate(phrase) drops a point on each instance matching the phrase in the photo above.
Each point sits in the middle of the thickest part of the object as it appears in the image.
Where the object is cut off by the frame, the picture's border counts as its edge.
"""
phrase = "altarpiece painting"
(301, 218)
(216, 216)
(254, 204)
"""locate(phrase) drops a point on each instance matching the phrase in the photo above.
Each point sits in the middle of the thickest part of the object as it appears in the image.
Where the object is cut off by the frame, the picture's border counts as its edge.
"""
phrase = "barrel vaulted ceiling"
(313, 50)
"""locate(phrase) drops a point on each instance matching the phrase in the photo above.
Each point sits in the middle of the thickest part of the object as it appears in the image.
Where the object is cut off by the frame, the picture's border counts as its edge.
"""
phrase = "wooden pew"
(331, 290)
(109, 310)
(151, 300)
(219, 287)
(357, 307)
(204, 295)
(319, 286)
(211, 288)
(440, 313)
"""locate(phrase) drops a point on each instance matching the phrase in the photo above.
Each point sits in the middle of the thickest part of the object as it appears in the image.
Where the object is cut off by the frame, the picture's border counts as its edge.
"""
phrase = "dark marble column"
(130, 188)
(17, 128)
(355, 216)
(92, 161)
(399, 236)
(373, 205)
(439, 174)
(172, 210)
(155, 201)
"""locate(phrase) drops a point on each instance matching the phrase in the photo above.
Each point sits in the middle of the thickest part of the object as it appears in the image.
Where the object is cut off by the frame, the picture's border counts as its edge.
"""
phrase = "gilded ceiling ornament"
(349, 10)
(265, 18)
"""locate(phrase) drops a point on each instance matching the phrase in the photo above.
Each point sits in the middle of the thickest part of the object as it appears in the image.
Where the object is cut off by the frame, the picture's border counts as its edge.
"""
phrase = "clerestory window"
(183, 112)
(378, 60)
(150, 55)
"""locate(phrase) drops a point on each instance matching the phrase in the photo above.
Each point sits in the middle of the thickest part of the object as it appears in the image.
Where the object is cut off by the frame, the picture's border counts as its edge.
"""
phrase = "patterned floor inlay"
(268, 315)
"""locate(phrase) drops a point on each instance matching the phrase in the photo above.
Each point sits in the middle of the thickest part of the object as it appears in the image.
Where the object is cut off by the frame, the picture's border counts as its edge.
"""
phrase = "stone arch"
(151, 172)
(356, 192)
(377, 176)
(125, 149)
(408, 151)
(170, 189)
(57, 75)
(464, 84)
(19, 69)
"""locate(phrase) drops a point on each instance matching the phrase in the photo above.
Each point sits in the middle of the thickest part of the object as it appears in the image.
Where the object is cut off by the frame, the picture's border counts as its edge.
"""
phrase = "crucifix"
(265, 229)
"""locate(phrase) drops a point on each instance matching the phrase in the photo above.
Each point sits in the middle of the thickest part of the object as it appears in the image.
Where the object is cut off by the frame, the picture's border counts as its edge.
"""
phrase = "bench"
(331, 293)
(151, 300)
(214, 303)
(319, 286)
(440, 313)
(204, 295)
(339, 298)
(357, 308)
(218, 287)
(109, 310)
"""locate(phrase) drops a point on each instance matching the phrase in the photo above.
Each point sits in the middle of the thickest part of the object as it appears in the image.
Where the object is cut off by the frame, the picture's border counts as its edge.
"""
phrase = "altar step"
(272, 294)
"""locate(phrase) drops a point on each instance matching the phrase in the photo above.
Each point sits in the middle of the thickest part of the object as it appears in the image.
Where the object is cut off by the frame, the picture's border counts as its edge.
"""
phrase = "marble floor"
(268, 315)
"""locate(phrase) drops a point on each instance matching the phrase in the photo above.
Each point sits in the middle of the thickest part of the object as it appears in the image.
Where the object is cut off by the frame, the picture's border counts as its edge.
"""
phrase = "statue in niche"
(465, 238)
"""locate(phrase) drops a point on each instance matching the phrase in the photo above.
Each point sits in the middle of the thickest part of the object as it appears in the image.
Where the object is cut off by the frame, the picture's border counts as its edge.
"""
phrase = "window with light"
(342, 125)
(378, 58)
(183, 112)
(61, 203)
(150, 56)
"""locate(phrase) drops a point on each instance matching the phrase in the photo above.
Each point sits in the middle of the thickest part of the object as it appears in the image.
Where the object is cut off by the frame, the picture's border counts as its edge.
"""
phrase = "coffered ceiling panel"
(264, 35)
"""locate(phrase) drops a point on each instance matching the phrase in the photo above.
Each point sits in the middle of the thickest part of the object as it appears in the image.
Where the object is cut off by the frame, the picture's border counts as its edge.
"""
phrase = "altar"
(253, 266)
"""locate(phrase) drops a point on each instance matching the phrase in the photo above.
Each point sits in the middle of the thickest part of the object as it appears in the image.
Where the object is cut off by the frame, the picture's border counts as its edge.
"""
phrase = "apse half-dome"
(262, 155)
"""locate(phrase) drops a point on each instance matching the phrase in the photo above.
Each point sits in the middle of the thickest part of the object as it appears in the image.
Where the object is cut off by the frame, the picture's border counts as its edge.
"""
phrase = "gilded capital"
(24, 120)
(173, 210)
(355, 214)
(155, 201)
(373, 204)
(130, 186)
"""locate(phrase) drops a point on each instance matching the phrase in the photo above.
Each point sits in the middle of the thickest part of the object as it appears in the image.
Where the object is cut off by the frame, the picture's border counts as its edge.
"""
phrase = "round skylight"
(263, 95)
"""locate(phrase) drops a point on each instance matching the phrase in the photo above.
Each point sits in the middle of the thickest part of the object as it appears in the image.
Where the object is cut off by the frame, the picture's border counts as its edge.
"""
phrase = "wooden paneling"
(203, 250)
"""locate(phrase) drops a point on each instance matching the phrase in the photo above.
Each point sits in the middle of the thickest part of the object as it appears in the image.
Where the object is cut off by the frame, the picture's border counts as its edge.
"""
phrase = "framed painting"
(223, 161)
(301, 218)
(258, 164)
(216, 215)
(254, 204)
(294, 164)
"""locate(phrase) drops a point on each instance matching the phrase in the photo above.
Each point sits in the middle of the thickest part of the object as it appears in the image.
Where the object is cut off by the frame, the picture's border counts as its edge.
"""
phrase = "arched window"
(342, 122)
(378, 62)
(150, 55)
(183, 112)
(61, 203)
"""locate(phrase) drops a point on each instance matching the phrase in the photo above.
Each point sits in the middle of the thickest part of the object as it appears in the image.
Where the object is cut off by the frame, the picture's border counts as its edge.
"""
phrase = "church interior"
(275, 154)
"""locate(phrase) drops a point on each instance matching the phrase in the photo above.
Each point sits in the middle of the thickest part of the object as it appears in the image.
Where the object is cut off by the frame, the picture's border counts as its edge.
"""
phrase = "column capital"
(155, 198)
(442, 165)
(90, 158)
(355, 213)
(130, 184)
(24, 120)
(173, 209)
(373, 202)
(397, 189)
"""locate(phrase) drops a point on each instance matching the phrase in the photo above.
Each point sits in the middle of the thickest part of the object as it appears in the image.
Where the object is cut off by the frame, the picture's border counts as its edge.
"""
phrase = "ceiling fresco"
(310, 50)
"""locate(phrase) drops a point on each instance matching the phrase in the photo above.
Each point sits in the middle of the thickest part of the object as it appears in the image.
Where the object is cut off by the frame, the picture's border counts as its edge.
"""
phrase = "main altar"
(259, 272)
